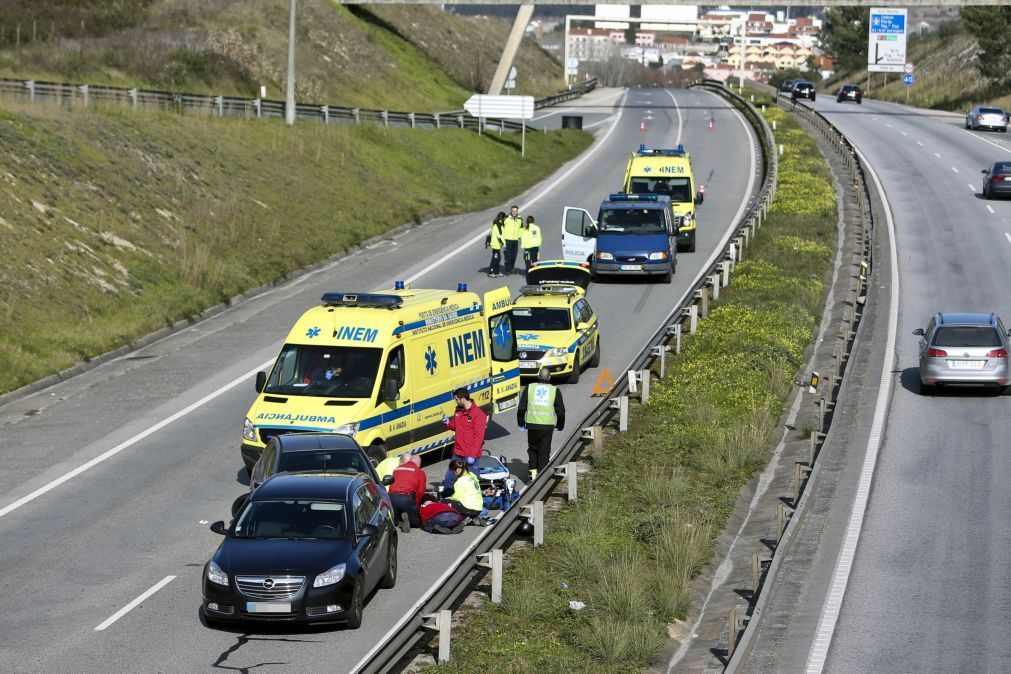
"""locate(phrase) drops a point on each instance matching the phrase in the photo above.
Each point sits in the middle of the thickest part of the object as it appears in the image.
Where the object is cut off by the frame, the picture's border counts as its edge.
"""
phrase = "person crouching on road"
(531, 241)
(495, 241)
(408, 491)
(511, 229)
(540, 412)
(388, 465)
(449, 479)
(469, 422)
(467, 497)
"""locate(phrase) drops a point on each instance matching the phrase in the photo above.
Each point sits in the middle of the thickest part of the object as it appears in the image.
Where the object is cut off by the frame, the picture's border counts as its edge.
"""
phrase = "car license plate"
(631, 267)
(268, 607)
(966, 364)
(528, 364)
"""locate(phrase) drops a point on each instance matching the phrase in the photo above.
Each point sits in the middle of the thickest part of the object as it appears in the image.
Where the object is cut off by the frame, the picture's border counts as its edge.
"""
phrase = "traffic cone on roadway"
(642, 126)
(710, 124)
(702, 193)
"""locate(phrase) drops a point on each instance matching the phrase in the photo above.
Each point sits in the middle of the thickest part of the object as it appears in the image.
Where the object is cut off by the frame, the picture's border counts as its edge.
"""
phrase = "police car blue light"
(621, 196)
(461, 287)
(398, 285)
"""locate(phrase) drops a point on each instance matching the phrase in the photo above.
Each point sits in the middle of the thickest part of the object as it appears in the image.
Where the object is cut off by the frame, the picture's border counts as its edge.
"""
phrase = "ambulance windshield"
(324, 371)
(678, 189)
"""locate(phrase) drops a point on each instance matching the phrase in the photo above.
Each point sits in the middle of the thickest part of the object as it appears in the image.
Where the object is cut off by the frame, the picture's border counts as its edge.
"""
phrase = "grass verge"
(117, 224)
(650, 510)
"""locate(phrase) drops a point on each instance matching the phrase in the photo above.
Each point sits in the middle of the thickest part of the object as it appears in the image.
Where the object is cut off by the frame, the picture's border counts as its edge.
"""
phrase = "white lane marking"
(888, 125)
(971, 187)
(920, 143)
(840, 577)
(1007, 236)
(989, 208)
(904, 133)
(954, 169)
(130, 442)
(537, 197)
(599, 122)
(937, 155)
(568, 108)
(988, 141)
(136, 602)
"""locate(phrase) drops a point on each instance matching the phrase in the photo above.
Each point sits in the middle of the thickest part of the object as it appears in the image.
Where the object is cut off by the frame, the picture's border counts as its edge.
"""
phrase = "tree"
(991, 26)
(843, 36)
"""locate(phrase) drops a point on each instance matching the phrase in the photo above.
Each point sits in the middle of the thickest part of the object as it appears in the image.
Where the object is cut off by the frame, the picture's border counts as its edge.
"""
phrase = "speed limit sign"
(908, 68)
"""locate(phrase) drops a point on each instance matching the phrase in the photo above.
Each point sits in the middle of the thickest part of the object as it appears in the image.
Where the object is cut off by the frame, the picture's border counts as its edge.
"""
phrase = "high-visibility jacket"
(468, 491)
(541, 404)
(531, 237)
(495, 239)
(387, 466)
(511, 228)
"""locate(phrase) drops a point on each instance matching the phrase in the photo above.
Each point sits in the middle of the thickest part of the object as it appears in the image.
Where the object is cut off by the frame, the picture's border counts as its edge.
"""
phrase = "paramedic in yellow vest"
(512, 228)
(531, 241)
(495, 241)
(388, 465)
(540, 412)
(467, 498)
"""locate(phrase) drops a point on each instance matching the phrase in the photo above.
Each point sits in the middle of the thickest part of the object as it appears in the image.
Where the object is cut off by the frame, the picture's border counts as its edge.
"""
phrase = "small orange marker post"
(605, 382)
(642, 126)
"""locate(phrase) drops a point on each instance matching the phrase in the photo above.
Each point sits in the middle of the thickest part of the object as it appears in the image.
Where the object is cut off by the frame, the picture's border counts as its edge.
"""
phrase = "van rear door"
(505, 364)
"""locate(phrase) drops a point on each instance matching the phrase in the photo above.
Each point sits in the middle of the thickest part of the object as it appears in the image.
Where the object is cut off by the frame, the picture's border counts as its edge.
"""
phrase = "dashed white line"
(904, 133)
(888, 125)
(954, 169)
(971, 187)
(1007, 236)
(989, 208)
(937, 155)
(135, 603)
(920, 143)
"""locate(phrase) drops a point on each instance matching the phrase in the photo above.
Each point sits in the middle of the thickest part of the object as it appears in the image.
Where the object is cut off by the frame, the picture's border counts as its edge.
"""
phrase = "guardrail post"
(692, 313)
(756, 575)
(595, 435)
(30, 85)
(132, 93)
(740, 249)
(714, 285)
(220, 102)
(621, 404)
(633, 382)
(357, 115)
(459, 120)
(325, 109)
(258, 106)
(437, 121)
(644, 378)
(84, 93)
(660, 352)
(675, 332)
(702, 295)
(780, 522)
(410, 116)
(725, 270)
(441, 621)
(535, 511)
(493, 560)
(568, 471)
(386, 117)
(731, 633)
(821, 412)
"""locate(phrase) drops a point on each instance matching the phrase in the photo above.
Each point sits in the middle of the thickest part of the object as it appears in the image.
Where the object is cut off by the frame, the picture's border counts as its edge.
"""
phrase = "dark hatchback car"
(304, 549)
(787, 86)
(849, 92)
(997, 180)
(803, 89)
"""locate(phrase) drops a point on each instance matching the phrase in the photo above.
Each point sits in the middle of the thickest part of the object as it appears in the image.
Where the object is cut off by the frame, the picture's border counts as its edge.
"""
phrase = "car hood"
(277, 556)
(305, 413)
(632, 244)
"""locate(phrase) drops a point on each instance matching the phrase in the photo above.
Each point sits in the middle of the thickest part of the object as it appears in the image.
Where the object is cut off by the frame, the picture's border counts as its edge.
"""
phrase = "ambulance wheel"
(376, 452)
(595, 361)
(573, 377)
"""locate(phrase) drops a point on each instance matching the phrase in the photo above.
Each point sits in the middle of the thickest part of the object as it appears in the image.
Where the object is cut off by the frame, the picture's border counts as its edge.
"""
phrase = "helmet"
(526, 528)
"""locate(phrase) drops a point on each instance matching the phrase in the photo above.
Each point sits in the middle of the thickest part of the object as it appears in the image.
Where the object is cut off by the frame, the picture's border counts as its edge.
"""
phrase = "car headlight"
(248, 431)
(216, 575)
(557, 353)
(686, 220)
(330, 576)
(604, 256)
(347, 429)
(659, 256)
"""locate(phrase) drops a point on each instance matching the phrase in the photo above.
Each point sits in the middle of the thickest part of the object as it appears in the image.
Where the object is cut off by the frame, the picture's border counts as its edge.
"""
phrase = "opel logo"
(268, 583)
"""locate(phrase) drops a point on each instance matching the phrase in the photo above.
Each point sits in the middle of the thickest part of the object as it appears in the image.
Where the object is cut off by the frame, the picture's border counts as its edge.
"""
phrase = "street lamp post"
(289, 98)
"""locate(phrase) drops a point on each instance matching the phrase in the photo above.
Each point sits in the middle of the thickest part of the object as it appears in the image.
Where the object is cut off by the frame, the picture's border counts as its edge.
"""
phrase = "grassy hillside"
(403, 57)
(116, 224)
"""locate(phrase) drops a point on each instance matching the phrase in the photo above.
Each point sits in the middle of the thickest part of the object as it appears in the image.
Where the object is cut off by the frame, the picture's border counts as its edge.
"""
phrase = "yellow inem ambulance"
(382, 366)
(667, 172)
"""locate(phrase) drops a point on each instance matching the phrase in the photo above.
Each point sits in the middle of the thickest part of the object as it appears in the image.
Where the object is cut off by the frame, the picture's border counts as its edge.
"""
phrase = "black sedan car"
(997, 180)
(849, 92)
(305, 548)
(803, 89)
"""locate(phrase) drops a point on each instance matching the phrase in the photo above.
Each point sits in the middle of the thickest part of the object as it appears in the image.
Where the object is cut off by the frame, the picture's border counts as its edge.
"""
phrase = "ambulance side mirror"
(699, 198)
(390, 391)
(261, 381)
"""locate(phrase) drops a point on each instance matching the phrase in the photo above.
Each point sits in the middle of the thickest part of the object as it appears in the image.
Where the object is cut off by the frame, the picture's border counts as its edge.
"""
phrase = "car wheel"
(595, 361)
(812, 98)
(927, 389)
(389, 579)
(376, 453)
(669, 276)
(986, 193)
(860, 101)
(356, 609)
(573, 377)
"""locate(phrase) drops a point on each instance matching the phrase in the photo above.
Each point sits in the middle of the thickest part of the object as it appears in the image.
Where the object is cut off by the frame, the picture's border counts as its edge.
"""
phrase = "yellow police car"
(555, 326)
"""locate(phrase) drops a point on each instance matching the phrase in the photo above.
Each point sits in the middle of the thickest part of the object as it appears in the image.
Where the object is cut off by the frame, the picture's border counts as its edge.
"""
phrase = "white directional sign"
(500, 107)
(886, 44)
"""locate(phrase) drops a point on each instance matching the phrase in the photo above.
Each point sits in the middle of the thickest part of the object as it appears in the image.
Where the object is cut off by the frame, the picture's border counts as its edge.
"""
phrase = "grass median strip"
(117, 224)
(649, 511)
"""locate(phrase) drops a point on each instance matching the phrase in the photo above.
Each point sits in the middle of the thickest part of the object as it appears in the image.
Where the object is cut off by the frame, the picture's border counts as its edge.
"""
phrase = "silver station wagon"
(963, 349)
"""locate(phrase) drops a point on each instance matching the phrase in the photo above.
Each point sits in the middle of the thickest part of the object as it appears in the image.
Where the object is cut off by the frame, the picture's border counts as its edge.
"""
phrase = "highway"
(928, 588)
(109, 480)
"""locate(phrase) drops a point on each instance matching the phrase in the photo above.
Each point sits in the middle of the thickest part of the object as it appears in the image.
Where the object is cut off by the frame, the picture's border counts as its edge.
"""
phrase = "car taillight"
(997, 353)
(936, 353)
(979, 118)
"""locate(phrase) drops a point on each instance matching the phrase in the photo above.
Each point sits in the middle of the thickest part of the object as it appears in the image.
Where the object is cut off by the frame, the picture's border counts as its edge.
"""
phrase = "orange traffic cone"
(702, 193)
(642, 126)
(710, 124)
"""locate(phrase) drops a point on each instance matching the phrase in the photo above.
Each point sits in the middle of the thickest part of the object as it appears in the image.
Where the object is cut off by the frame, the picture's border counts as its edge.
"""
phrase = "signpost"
(502, 107)
(886, 43)
(511, 80)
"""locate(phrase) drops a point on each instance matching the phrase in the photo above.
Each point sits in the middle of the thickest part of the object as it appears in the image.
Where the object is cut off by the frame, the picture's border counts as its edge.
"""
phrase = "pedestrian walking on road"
(531, 241)
(495, 241)
(469, 422)
(541, 411)
(512, 228)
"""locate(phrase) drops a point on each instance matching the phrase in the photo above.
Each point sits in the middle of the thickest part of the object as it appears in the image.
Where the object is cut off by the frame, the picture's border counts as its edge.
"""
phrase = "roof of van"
(367, 319)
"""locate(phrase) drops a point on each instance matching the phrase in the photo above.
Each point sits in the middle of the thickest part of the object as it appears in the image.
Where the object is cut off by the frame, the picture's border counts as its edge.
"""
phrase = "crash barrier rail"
(70, 95)
(432, 611)
(741, 629)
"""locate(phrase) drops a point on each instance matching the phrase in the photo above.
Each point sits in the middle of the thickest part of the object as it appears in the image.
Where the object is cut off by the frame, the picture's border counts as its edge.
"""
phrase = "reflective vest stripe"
(541, 405)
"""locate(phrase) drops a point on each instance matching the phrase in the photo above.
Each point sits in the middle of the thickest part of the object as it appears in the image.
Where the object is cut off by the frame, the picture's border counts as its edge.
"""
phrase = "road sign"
(501, 107)
(908, 79)
(512, 73)
(886, 40)
(908, 68)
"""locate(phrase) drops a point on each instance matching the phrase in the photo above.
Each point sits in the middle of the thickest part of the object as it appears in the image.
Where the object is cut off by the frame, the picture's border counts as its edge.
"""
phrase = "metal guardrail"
(70, 95)
(455, 581)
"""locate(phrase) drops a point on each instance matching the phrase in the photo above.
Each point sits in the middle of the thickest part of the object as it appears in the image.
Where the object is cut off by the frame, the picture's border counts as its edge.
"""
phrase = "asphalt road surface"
(109, 480)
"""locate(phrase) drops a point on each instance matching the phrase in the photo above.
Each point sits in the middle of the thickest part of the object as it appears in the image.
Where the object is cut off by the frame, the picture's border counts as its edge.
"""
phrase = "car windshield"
(966, 335)
(632, 220)
(325, 371)
(295, 519)
(678, 189)
(541, 318)
(323, 460)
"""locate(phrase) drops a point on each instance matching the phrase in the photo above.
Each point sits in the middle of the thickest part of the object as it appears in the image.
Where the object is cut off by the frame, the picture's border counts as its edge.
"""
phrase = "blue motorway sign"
(888, 23)
(908, 79)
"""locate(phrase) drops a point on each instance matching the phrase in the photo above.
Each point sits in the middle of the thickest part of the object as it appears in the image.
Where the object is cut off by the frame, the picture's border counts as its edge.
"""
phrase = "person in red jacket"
(407, 491)
(440, 518)
(469, 423)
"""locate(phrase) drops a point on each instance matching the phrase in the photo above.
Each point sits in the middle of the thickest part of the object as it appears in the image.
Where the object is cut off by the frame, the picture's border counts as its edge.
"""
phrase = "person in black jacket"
(541, 411)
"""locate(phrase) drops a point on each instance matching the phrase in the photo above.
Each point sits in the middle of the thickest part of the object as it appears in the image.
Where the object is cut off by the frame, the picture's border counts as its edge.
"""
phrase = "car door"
(579, 234)
(925, 338)
(365, 510)
(579, 318)
(394, 400)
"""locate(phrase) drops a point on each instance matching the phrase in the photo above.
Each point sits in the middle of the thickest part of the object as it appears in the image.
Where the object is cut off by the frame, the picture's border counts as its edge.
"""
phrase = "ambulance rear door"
(505, 364)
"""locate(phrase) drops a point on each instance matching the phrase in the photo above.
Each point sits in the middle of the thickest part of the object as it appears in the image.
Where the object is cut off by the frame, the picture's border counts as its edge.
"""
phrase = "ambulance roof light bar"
(374, 300)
